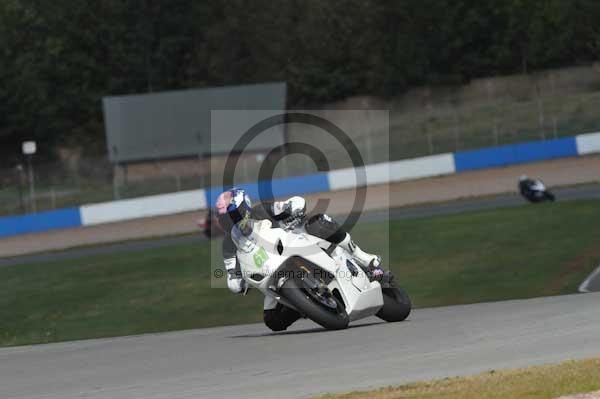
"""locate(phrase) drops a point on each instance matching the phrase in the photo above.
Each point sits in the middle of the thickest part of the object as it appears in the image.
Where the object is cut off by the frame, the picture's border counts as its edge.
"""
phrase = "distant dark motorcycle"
(534, 190)
(210, 225)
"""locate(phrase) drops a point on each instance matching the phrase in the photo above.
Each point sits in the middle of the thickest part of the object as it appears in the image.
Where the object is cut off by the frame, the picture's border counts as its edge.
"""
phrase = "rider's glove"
(235, 282)
(291, 213)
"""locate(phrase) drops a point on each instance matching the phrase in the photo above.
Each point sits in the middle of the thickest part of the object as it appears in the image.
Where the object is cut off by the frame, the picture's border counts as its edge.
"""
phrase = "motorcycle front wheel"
(327, 312)
(396, 304)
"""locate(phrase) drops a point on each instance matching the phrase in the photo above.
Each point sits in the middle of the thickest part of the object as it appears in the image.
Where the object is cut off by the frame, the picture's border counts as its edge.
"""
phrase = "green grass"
(484, 256)
(493, 255)
(541, 382)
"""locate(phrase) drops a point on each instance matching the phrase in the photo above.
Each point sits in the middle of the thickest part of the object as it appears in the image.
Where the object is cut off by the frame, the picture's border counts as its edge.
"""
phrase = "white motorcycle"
(318, 279)
(537, 192)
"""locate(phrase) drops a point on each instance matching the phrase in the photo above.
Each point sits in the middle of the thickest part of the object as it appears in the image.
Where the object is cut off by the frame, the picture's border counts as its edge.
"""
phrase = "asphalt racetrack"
(248, 362)
(251, 362)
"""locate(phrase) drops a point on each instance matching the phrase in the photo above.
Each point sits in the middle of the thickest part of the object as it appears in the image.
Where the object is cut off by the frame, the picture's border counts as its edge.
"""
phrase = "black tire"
(330, 319)
(396, 305)
(550, 196)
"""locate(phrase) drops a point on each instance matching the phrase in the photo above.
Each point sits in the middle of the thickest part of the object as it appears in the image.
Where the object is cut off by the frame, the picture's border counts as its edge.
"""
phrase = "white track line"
(584, 287)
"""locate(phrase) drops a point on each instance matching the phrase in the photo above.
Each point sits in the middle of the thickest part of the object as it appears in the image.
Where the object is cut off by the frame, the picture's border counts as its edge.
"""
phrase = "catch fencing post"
(30, 148)
(116, 182)
(21, 178)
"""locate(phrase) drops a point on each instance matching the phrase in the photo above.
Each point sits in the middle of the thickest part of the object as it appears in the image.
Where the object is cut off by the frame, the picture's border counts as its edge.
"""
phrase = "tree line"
(59, 58)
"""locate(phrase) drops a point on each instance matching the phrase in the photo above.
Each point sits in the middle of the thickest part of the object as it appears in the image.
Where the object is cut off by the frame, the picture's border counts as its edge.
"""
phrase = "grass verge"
(542, 382)
(493, 255)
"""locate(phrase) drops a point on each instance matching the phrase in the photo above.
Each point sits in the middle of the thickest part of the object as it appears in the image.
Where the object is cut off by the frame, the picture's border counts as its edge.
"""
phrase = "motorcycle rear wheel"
(549, 196)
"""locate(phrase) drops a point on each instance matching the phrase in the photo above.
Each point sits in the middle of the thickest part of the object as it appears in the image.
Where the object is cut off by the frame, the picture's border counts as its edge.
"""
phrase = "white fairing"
(258, 255)
(538, 186)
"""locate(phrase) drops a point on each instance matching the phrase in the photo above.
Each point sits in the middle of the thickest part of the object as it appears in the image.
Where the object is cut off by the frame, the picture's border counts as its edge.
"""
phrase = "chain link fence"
(487, 112)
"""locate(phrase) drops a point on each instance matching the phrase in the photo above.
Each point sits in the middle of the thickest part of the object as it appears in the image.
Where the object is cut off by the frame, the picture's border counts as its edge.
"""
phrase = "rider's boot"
(371, 263)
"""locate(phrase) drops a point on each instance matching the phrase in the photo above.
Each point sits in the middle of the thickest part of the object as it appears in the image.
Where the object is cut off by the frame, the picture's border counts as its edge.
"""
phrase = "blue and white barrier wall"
(588, 143)
(136, 208)
(42, 221)
(515, 154)
(409, 169)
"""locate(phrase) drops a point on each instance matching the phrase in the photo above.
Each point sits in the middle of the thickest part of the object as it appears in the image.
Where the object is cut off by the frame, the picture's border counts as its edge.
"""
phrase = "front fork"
(386, 280)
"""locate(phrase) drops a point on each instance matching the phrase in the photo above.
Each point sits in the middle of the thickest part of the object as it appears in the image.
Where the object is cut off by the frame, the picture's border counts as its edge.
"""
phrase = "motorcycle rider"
(234, 206)
(533, 190)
